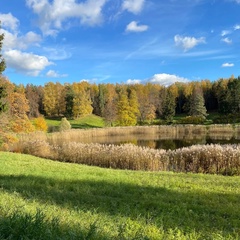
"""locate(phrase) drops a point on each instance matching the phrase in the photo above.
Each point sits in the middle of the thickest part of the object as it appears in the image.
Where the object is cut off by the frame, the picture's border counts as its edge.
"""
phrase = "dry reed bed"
(214, 159)
(156, 132)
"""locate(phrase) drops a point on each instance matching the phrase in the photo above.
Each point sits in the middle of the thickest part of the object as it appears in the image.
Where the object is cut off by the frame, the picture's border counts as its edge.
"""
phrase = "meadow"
(44, 199)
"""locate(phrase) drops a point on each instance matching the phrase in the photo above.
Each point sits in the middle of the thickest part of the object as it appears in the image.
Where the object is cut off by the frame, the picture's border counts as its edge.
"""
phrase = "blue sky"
(120, 41)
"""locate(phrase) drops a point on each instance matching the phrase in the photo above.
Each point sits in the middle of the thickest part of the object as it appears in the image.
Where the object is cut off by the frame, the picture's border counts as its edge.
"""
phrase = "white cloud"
(188, 42)
(52, 15)
(134, 6)
(12, 37)
(237, 26)
(133, 81)
(225, 32)
(27, 63)
(163, 79)
(227, 40)
(9, 21)
(14, 41)
(227, 65)
(134, 27)
(57, 53)
(166, 79)
(53, 74)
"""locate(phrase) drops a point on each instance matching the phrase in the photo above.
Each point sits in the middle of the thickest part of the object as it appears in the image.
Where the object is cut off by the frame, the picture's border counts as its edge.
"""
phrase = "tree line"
(121, 104)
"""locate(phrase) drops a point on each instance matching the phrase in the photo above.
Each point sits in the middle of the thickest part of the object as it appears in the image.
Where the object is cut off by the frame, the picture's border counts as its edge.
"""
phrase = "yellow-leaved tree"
(82, 104)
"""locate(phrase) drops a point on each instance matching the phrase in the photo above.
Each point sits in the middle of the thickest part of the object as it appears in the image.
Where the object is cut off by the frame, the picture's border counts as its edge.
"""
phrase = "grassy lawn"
(43, 199)
(90, 121)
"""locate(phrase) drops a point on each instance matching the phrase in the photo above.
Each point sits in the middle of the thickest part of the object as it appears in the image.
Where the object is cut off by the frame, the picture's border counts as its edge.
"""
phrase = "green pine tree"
(197, 103)
(2, 61)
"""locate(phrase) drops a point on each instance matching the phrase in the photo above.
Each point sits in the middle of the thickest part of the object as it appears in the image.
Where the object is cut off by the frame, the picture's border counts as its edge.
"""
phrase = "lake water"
(172, 144)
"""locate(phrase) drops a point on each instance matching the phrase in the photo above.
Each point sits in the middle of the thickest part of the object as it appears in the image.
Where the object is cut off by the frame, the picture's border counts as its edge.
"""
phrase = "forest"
(122, 104)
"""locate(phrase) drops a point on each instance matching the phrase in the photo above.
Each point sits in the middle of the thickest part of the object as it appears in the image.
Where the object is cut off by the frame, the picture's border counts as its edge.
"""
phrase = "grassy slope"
(89, 121)
(94, 203)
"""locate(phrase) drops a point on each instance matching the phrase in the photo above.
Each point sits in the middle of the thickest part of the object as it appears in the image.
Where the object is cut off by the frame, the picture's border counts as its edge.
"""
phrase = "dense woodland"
(121, 104)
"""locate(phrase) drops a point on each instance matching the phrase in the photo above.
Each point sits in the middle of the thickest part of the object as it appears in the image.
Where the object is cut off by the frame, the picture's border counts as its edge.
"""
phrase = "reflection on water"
(158, 143)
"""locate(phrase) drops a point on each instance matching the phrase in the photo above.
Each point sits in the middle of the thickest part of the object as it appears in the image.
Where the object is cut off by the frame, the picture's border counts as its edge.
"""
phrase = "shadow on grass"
(198, 211)
(83, 125)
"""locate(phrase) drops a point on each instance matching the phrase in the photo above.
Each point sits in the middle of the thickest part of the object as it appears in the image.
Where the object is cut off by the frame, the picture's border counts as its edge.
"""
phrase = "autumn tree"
(127, 108)
(110, 105)
(54, 99)
(123, 108)
(18, 111)
(220, 90)
(146, 102)
(33, 98)
(94, 93)
(134, 107)
(40, 124)
(81, 101)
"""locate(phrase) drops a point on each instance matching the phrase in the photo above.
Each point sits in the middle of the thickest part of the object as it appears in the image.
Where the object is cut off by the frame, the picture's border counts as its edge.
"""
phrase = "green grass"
(43, 199)
(90, 121)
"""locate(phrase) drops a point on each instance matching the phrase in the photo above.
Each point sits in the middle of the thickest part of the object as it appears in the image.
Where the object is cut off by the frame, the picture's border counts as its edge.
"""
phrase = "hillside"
(45, 199)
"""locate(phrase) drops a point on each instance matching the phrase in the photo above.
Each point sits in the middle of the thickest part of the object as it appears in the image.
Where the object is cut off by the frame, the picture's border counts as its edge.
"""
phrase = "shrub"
(21, 125)
(40, 124)
(192, 120)
(64, 125)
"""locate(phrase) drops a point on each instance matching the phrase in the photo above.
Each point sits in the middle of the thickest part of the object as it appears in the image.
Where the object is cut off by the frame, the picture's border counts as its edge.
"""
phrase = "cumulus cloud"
(163, 79)
(26, 62)
(9, 21)
(133, 6)
(227, 40)
(227, 65)
(166, 79)
(134, 27)
(16, 41)
(133, 81)
(53, 14)
(188, 42)
(53, 74)
(12, 38)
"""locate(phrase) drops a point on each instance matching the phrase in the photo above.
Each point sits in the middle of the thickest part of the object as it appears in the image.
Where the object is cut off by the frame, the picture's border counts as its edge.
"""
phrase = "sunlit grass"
(69, 201)
(90, 121)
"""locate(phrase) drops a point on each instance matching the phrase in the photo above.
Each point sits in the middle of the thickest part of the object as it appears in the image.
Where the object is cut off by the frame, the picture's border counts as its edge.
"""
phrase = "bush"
(230, 118)
(192, 120)
(64, 125)
(40, 124)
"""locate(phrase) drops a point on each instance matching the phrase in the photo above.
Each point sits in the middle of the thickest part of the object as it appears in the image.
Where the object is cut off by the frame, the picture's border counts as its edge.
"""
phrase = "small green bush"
(192, 120)
(230, 118)
(64, 125)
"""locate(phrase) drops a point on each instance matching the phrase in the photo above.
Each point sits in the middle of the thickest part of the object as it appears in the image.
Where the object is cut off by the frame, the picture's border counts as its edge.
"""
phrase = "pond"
(157, 137)
(158, 142)
(169, 143)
